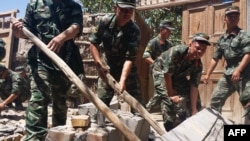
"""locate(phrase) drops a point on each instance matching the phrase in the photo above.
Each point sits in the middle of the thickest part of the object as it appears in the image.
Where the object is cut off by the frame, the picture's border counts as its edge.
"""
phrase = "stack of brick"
(84, 127)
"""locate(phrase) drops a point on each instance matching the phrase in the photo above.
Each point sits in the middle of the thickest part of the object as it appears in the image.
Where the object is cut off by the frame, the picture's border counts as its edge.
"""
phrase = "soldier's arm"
(127, 66)
(169, 84)
(244, 62)
(194, 92)
(56, 43)
(8, 100)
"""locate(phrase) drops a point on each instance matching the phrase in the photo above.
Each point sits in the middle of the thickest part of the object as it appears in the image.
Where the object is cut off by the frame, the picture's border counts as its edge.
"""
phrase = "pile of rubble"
(12, 125)
(83, 124)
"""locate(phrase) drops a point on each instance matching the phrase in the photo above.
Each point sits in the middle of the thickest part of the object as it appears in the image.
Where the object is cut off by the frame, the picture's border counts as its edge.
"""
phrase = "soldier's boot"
(168, 125)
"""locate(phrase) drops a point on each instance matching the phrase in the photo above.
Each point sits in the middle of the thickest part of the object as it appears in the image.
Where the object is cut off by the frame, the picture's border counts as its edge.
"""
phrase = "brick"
(80, 120)
(14, 137)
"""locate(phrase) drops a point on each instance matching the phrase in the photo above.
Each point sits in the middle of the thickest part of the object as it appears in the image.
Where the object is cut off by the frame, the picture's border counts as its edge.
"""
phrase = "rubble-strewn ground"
(12, 125)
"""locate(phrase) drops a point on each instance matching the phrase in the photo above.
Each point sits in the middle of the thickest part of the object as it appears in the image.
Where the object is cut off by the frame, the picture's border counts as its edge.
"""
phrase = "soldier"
(156, 46)
(56, 23)
(160, 43)
(13, 89)
(170, 71)
(234, 46)
(118, 37)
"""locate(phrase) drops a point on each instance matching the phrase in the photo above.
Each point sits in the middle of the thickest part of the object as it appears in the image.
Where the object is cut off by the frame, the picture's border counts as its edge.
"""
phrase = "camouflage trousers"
(46, 86)
(172, 113)
(225, 88)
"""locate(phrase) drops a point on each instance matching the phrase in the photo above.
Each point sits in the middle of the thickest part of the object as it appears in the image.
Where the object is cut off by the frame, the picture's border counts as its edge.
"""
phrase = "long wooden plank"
(82, 87)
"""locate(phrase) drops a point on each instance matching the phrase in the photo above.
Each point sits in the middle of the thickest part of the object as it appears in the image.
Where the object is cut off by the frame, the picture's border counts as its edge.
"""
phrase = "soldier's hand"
(17, 27)
(235, 76)
(175, 99)
(205, 79)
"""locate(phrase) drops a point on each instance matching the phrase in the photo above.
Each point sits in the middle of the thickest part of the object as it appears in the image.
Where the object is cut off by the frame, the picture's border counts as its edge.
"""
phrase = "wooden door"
(208, 17)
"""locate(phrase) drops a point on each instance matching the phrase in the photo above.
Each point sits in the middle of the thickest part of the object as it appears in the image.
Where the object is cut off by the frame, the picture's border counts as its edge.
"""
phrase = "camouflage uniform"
(172, 62)
(117, 45)
(46, 20)
(232, 47)
(155, 48)
(12, 83)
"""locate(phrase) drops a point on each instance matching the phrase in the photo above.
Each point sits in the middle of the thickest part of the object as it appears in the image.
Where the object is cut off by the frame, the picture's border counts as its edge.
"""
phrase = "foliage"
(155, 16)
(98, 6)
(152, 17)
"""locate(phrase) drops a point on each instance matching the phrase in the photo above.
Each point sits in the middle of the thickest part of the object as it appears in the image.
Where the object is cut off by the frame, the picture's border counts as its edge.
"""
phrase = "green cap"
(167, 24)
(201, 37)
(232, 9)
(126, 3)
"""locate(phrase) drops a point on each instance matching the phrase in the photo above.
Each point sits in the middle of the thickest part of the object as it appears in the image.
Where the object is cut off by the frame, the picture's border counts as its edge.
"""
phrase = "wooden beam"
(167, 4)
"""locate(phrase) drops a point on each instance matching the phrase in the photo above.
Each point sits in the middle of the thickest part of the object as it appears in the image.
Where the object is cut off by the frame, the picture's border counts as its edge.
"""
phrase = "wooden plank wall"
(7, 35)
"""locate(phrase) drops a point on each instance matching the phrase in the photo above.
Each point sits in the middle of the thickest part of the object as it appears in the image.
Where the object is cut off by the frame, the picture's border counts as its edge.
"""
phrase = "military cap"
(201, 37)
(126, 3)
(166, 24)
(232, 9)
(2, 49)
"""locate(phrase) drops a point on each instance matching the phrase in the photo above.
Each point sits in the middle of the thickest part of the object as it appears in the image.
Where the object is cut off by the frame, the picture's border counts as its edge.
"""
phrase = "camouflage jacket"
(12, 83)
(174, 63)
(117, 43)
(233, 46)
(155, 47)
(46, 20)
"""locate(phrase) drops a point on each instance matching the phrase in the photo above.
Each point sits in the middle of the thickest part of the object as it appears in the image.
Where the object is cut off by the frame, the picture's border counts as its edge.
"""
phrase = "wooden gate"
(208, 17)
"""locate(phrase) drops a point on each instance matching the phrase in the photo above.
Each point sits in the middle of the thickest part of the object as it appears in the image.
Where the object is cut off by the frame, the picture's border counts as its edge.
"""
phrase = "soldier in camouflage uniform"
(118, 37)
(155, 47)
(170, 71)
(234, 46)
(56, 23)
(160, 43)
(13, 88)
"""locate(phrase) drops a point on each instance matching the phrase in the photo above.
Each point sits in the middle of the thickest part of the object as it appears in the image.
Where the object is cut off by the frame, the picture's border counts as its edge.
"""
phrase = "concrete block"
(61, 133)
(124, 106)
(97, 134)
(114, 104)
(136, 124)
(80, 120)
(87, 109)
(114, 134)
(81, 136)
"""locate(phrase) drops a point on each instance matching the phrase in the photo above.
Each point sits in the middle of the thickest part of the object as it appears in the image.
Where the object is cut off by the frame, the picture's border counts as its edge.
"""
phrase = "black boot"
(168, 125)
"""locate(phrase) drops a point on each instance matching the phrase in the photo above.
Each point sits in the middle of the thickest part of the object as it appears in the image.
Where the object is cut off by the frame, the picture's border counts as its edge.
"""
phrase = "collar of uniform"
(234, 32)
